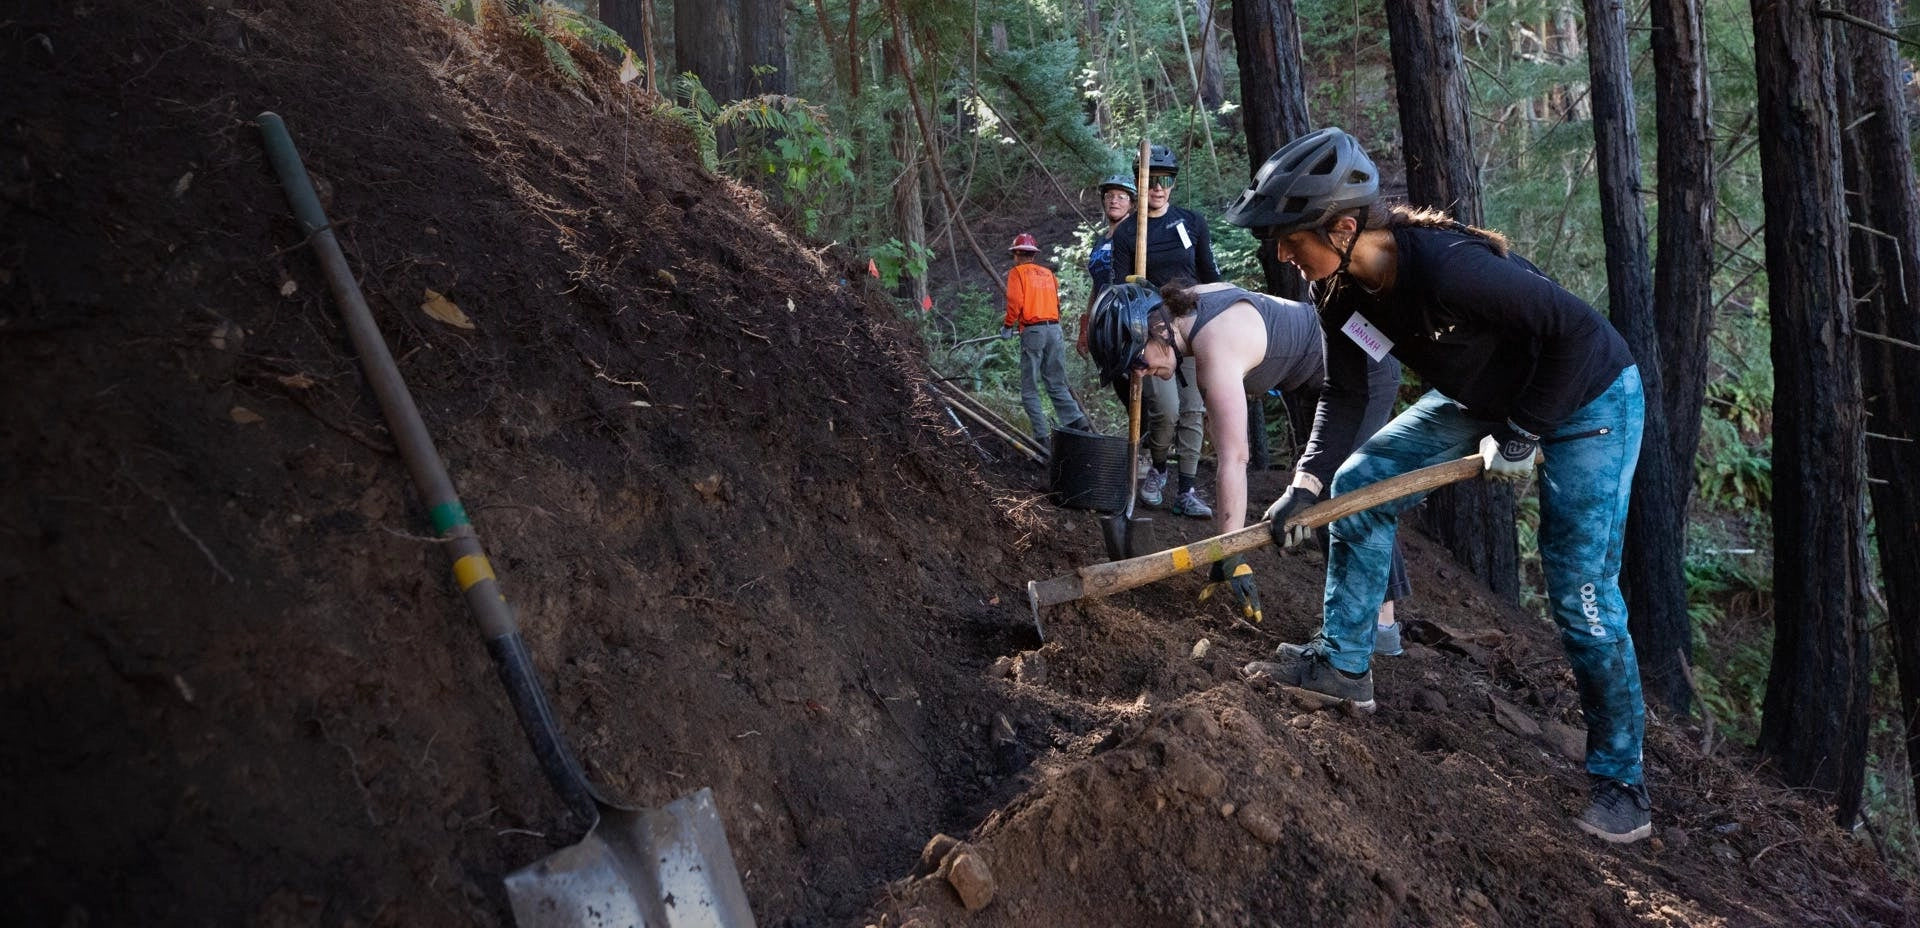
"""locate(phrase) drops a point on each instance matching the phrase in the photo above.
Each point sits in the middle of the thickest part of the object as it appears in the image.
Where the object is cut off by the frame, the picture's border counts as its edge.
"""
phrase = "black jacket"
(1169, 257)
(1490, 332)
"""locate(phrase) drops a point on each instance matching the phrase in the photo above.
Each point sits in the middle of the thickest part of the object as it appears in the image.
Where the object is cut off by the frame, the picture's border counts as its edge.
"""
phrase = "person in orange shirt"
(1033, 313)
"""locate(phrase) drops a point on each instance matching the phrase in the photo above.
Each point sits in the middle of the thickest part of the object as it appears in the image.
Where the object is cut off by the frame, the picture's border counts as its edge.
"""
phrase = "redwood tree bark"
(1273, 104)
(1656, 531)
(1814, 717)
(1886, 274)
(1473, 520)
(706, 41)
(1683, 320)
(763, 46)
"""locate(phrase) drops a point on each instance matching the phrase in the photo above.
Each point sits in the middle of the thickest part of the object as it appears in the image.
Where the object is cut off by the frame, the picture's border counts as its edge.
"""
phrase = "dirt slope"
(239, 688)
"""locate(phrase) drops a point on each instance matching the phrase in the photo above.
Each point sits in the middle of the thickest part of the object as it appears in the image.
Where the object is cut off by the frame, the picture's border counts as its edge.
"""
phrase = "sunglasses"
(1161, 181)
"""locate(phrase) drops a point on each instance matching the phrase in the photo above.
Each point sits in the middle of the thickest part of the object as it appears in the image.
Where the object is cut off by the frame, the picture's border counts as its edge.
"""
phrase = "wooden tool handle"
(1120, 576)
(1140, 211)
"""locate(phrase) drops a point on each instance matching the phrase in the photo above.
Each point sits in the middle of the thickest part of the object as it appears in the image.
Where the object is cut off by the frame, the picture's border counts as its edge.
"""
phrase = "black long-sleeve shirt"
(1178, 245)
(1489, 331)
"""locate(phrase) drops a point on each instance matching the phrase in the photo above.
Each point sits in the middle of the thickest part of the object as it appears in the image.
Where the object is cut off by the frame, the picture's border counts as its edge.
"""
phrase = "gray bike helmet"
(1160, 158)
(1306, 182)
(1118, 330)
(1120, 182)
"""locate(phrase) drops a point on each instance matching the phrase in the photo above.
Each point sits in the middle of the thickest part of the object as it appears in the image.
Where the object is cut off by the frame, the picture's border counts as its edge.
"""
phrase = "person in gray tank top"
(1243, 344)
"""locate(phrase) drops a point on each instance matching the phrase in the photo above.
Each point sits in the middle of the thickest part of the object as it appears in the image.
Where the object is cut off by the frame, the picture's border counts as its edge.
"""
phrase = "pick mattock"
(1120, 576)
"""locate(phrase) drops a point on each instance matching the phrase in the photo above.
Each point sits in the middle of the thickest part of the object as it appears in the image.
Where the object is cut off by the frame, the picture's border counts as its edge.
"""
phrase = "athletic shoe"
(1153, 487)
(1191, 505)
(1305, 667)
(1620, 813)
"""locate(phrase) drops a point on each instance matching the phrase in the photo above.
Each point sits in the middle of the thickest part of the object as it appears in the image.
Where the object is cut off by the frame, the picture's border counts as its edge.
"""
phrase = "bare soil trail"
(747, 551)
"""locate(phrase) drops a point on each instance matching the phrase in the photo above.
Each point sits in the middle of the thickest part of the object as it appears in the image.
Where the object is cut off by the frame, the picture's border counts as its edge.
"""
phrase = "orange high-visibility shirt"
(1033, 295)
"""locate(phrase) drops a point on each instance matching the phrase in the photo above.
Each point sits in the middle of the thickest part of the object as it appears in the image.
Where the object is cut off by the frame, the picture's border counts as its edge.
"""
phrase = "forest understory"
(748, 550)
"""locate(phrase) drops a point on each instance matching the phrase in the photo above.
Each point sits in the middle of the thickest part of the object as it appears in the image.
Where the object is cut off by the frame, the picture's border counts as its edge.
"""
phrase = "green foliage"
(895, 259)
(1729, 599)
(779, 139)
(548, 23)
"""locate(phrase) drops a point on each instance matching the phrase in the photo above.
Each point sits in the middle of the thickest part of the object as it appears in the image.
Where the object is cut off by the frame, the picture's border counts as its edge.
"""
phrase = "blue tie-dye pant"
(1585, 482)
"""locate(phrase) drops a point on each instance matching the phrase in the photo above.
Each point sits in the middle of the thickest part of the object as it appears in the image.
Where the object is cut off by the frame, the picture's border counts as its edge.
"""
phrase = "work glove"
(1236, 576)
(1007, 331)
(1290, 504)
(1507, 454)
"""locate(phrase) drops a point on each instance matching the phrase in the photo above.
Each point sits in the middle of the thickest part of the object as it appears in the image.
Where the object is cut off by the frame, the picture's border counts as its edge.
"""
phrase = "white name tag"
(1371, 340)
(1181, 227)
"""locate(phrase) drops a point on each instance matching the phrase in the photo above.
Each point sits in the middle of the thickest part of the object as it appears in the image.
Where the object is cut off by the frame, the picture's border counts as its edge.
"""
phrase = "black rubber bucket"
(1088, 471)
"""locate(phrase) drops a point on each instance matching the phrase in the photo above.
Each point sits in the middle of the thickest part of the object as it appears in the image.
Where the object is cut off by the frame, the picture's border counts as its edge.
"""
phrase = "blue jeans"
(1585, 483)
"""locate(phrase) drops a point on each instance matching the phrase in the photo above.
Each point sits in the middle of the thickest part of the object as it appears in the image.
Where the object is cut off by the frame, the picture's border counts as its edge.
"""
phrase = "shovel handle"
(1140, 211)
(472, 572)
(1119, 576)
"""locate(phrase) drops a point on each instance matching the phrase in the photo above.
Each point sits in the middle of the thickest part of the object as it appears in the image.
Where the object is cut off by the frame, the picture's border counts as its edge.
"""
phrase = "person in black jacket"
(1517, 364)
(1178, 247)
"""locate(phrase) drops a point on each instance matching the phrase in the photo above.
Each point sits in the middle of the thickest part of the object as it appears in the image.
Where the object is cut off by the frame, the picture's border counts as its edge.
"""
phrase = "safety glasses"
(1160, 181)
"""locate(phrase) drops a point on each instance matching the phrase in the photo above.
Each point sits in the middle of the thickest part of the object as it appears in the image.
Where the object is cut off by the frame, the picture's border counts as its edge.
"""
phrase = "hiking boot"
(1305, 667)
(1190, 504)
(1620, 813)
(1386, 640)
(1153, 486)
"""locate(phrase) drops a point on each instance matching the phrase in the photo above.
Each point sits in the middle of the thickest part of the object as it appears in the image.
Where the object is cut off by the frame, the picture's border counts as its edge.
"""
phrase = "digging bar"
(1113, 577)
(648, 868)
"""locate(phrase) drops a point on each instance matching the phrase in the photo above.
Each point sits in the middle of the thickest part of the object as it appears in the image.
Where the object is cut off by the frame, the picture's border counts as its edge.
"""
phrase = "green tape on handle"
(448, 516)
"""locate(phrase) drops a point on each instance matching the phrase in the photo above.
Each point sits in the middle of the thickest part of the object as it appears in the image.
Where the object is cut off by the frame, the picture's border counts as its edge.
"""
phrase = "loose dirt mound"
(240, 688)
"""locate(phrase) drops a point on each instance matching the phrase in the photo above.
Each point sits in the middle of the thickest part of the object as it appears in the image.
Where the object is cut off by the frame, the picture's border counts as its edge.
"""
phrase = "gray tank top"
(1296, 348)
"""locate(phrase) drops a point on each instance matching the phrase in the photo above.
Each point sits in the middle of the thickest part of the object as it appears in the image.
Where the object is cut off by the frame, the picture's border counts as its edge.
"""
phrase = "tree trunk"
(1266, 41)
(1213, 84)
(1886, 273)
(1655, 561)
(1814, 717)
(1656, 536)
(628, 17)
(1473, 520)
(908, 212)
(706, 41)
(763, 46)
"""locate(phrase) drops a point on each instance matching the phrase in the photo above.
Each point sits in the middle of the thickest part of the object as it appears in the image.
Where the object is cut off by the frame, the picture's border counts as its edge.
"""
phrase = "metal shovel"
(635, 867)
(1128, 535)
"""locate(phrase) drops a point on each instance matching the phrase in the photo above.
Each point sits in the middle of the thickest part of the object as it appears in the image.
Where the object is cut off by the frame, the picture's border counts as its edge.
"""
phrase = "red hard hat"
(1024, 242)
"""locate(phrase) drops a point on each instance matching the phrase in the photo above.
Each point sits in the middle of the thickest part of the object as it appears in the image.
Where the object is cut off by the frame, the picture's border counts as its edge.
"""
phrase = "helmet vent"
(1295, 206)
(1327, 164)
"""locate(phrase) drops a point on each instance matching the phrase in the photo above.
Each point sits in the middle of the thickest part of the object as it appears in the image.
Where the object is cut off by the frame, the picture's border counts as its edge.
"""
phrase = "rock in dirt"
(1031, 669)
(1200, 648)
(1002, 668)
(969, 876)
(1189, 774)
(1260, 823)
(1511, 718)
(1570, 742)
(1241, 724)
(937, 849)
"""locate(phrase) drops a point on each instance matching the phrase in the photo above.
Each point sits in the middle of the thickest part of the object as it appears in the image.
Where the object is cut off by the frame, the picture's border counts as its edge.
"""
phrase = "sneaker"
(1305, 667)
(1386, 640)
(1191, 505)
(1620, 813)
(1153, 487)
(1143, 466)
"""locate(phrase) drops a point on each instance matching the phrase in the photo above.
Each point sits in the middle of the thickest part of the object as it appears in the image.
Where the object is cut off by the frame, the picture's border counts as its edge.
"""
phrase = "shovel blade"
(1127, 536)
(650, 868)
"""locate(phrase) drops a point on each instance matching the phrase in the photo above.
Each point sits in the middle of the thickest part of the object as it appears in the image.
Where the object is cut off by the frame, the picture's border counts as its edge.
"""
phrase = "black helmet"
(1160, 158)
(1118, 331)
(1119, 182)
(1307, 181)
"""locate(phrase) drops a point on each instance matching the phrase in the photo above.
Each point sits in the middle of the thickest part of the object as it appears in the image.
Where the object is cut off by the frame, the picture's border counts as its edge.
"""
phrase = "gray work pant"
(1043, 363)
(1175, 418)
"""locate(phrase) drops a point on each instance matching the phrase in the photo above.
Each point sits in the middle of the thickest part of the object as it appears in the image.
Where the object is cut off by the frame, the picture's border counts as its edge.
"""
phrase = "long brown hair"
(1402, 215)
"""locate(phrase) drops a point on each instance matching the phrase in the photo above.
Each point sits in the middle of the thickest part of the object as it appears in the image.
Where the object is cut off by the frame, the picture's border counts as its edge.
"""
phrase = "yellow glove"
(1236, 575)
